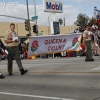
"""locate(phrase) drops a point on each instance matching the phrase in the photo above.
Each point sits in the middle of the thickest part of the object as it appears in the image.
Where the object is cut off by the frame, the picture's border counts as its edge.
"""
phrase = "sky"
(71, 10)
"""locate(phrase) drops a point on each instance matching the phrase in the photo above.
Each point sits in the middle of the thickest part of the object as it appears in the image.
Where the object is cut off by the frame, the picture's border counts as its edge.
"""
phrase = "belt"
(12, 46)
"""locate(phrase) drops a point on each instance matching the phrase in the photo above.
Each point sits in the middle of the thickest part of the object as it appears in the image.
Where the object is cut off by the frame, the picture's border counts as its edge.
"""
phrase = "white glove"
(89, 33)
(15, 39)
(96, 44)
(6, 52)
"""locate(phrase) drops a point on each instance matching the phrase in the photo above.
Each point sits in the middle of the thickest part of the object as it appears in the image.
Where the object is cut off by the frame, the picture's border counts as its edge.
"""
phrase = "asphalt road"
(52, 79)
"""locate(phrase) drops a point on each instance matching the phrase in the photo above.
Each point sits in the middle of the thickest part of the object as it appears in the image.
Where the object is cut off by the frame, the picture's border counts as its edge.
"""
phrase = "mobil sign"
(52, 6)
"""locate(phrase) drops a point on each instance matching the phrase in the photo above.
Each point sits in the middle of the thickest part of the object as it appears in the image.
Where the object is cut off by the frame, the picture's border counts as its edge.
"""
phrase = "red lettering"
(53, 48)
(64, 41)
(49, 48)
(63, 46)
(60, 46)
(46, 42)
(53, 41)
(60, 40)
(53, 7)
(57, 48)
(49, 42)
(57, 40)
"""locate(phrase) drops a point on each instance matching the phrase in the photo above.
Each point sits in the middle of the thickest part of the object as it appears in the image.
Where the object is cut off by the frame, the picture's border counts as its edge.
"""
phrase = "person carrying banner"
(87, 40)
(2, 47)
(11, 39)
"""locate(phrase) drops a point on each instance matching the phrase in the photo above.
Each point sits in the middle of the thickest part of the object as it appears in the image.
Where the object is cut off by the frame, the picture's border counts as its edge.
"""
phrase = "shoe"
(86, 60)
(1, 76)
(10, 74)
(89, 59)
(23, 71)
(96, 55)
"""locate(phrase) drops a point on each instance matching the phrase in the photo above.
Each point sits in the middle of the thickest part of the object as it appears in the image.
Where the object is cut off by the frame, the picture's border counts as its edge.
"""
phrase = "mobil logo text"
(53, 6)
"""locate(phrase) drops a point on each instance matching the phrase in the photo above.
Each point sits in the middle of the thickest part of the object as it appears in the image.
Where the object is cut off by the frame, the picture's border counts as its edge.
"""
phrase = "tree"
(92, 21)
(60, 21)
(82, 19)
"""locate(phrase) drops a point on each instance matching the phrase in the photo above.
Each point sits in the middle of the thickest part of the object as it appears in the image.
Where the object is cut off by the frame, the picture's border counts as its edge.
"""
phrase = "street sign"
(39, 34)
(34, 18)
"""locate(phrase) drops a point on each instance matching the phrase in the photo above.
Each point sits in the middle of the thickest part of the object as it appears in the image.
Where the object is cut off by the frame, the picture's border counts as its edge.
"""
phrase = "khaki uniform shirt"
(9, 36)
(86, 35)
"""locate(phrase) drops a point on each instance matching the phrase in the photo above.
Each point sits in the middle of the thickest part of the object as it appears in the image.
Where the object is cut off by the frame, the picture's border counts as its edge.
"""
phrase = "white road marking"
(34, 96)
(97, 68)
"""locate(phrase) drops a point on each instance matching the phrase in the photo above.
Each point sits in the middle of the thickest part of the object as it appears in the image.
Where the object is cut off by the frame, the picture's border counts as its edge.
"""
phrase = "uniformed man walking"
(87, 39)
(11, 40)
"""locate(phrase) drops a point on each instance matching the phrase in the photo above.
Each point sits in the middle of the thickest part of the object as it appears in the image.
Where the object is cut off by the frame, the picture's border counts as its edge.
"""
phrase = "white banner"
(53, 44)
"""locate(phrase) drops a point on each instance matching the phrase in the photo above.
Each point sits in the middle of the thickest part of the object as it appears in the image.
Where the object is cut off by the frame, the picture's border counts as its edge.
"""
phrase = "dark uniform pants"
(0, 60)
(13, 52)
(88, 50)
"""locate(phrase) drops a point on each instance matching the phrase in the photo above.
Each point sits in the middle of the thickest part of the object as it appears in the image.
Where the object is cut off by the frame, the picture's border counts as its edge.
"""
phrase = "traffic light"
(26, 25)
(22, 40)
(28, 34)
(35, 29)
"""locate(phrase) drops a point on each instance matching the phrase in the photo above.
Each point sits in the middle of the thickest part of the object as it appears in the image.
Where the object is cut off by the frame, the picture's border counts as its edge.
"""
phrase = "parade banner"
(54, 43)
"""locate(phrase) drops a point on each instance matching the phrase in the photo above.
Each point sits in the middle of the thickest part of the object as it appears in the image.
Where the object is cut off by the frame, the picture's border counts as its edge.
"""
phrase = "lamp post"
(49, 24)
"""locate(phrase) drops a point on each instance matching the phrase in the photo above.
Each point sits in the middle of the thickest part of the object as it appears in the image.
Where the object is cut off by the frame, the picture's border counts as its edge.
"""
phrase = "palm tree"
(60, 21)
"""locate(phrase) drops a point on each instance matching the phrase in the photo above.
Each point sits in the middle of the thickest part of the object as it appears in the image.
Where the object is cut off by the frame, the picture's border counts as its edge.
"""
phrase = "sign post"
(53, 6)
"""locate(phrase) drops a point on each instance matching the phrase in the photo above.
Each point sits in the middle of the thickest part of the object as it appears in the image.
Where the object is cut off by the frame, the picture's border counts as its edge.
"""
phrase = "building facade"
(20, 29)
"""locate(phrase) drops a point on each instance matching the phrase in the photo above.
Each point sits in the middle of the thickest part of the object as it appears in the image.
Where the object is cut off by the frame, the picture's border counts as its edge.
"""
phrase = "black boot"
(23, 71)
(10, 74)
(1, 76)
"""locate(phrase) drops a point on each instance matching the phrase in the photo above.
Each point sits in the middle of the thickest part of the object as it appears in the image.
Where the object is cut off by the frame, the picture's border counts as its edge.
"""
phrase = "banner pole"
(54, 19)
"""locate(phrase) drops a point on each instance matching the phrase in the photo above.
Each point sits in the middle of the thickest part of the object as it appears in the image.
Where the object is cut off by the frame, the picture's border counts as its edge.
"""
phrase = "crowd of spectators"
(95, 31)
(23, 47)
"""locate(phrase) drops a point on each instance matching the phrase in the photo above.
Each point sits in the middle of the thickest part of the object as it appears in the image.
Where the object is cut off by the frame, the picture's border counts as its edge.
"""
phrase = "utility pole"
(34, 3)
(28, 17)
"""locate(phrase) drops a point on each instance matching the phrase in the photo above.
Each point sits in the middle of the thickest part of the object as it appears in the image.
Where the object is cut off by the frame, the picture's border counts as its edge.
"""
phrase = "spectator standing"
(94, 26)
(98, 21)
(76, 30)
(95, 46)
